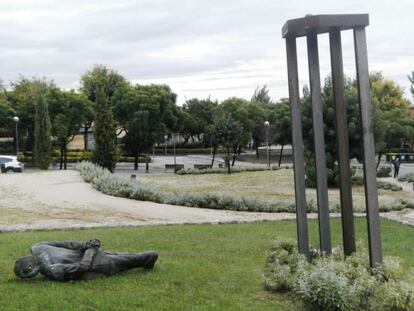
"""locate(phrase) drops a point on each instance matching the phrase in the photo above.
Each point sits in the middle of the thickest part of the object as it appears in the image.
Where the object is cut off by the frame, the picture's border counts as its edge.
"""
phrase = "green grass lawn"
(266, 185)
(201, 267)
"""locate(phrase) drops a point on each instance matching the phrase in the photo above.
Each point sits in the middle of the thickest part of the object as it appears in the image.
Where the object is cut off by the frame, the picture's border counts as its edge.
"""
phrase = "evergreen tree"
(106, 153)
(42, 134)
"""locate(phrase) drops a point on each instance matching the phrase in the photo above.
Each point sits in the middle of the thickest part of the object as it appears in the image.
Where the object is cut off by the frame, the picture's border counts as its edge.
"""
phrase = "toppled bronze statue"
(78, 260)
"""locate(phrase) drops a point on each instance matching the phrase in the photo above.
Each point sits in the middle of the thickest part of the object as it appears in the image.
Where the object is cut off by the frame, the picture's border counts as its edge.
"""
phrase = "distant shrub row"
(191, 171)
(102, 180)
(184, 151)
(78, 156)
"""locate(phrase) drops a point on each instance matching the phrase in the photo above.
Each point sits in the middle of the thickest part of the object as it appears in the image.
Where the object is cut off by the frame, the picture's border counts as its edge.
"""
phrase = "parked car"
(10, 164)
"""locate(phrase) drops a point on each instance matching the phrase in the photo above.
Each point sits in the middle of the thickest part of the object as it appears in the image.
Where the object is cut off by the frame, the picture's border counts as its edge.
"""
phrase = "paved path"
(60, 200)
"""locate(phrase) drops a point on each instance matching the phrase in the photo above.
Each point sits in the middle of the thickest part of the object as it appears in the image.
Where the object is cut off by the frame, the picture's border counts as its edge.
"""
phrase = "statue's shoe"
(150, 260)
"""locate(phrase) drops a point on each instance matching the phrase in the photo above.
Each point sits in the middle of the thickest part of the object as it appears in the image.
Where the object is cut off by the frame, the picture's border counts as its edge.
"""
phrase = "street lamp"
(165, 143)
(175, 162)
(16, 121)
(266, 124)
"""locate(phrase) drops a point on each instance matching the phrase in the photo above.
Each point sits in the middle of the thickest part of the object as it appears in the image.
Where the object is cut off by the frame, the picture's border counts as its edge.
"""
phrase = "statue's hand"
(94, 243)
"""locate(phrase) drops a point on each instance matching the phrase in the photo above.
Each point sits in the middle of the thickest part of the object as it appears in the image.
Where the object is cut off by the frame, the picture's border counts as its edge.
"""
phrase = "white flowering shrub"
(335, 283)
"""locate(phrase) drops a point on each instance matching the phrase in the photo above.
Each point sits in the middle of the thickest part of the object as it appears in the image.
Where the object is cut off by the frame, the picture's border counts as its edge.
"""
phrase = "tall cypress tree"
(42, 134)
(106, 153)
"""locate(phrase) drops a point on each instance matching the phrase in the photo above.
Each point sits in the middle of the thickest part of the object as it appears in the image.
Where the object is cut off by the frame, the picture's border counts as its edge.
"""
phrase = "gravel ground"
(61, 200)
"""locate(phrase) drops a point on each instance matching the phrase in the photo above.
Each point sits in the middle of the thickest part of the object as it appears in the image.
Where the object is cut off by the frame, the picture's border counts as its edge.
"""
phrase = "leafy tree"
(280, 117)
(411, 78)
(98, 78)
(68, 111)
(105, 153)
(261, 95)
(146, 113)
(198, 115)
(189, 127)
(386, 94)
(101, 78)
(23, 98)
(258, 115)
(236, 108)
(392, 124)
(6, 114)
(227, 132)
(42, 134)
(330, 132)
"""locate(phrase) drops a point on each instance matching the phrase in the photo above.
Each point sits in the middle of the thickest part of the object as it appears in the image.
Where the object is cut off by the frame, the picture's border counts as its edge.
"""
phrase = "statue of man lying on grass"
(77, 260)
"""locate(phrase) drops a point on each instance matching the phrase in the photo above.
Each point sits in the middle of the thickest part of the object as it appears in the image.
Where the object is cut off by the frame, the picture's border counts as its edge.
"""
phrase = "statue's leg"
(125, 261)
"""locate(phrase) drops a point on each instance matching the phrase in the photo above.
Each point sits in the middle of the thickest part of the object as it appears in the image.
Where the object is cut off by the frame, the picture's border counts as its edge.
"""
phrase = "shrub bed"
(384, 171)
(330, 283)
(191, 171)
(407, 177)
(102, 180)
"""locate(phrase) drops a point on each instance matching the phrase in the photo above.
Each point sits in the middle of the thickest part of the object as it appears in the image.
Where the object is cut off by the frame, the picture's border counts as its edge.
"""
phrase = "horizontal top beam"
(299, 27)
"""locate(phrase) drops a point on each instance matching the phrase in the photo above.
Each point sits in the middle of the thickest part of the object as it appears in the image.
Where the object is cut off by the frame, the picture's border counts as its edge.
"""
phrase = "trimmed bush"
(407, 177)
(335, 283)
(384, 171)
(358, 180)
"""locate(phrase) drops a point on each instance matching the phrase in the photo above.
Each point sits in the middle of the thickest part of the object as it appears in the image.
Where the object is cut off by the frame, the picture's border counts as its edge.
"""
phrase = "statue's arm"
(66, 272)
(70, 244)
(64, 244)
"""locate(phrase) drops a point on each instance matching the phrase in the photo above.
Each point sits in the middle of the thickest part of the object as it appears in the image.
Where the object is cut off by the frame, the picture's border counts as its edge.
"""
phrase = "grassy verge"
(269, 186)
(205, 267)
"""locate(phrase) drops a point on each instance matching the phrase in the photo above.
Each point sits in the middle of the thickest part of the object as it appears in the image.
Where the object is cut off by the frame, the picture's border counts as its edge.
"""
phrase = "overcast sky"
(217, 48)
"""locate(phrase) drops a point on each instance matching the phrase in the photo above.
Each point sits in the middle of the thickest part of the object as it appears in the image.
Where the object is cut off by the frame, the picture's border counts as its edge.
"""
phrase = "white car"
(9, 164)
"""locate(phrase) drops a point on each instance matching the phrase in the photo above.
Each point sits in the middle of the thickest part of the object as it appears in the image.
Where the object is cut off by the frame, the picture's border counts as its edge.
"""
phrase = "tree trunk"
(85, 136)
(281, 155)
(186, 138)
(136, 155)
(228, 161)
(256, 147)
(61, 158)
(236, 152)
(66, 157)
(379, 159)
(146, 164)
(214, 155)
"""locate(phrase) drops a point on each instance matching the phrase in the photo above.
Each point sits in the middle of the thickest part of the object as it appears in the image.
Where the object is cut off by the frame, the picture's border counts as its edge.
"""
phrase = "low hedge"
(102, 180)
(185, 151)
(407, 177)
(191, 171)
(79, 156)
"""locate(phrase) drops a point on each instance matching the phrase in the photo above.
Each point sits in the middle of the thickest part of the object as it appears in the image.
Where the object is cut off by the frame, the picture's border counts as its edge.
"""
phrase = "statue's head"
(26, 267)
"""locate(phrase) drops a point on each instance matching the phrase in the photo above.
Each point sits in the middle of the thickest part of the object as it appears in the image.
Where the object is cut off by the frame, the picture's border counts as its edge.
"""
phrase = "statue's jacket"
(72, 260)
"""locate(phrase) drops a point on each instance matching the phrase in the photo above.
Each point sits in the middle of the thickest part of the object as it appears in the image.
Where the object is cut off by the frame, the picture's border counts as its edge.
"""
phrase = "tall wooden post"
(345, 186)
(370, 172)
(319, 139)
(297, 144)
(310, 26)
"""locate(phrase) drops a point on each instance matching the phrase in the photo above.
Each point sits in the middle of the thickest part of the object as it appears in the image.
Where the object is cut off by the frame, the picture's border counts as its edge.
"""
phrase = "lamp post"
(16, 121)
(175, 162)
(165, 143)
(266, 124)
